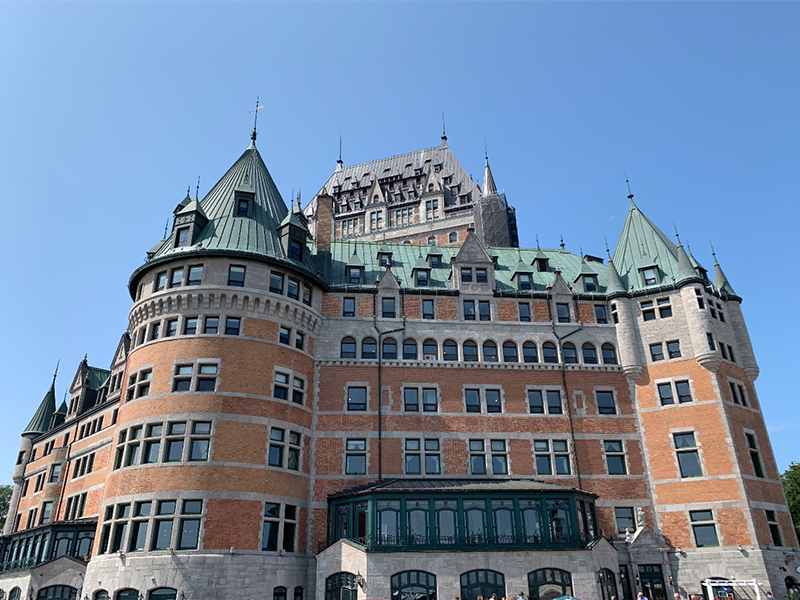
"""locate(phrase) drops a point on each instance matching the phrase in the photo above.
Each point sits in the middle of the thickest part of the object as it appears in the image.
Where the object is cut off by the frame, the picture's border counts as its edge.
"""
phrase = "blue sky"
(109, 110)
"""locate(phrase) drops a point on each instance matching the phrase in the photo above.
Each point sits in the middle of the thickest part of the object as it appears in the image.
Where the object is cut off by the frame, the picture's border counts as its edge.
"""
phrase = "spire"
(614, 282)
(254, 135)
(630, 193)
(685, 269)
(720, 281)
(40, 422)
(339, 163)
(444, 134)
(489, 187)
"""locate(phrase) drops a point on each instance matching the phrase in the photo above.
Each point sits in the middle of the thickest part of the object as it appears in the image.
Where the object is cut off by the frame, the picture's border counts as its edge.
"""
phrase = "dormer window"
(524, 280)
(337, 189)
(430, 187)
(295, 250)
(649, 275)
(182, 237)
(354, 275)
(480, 276)
(590, 283)
(435, 261)
(242, 207)
(417, 171)
(412, 194)
(385, 259)
(541, 265)
(437, 168)
(423, 278)
(466, 275)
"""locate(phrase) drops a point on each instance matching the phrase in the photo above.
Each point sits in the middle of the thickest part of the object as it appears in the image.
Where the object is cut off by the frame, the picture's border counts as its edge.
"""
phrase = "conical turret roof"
(489, 187)
(614, 283)
(720, 281)
(685, 268)
(40, 422)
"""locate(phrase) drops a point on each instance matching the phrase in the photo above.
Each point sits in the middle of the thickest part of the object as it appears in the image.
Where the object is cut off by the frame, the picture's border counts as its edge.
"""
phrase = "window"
(195, 275)
(422, 454)
(189, 532)
(139, 384)
(190, 326)
(480, 275)
(489, 351)
(649, 275)
(674, 349)
(276, 283)
(466, 275)
(549, 456)
(296, 250)
(428, 309)
(232, 325)
(524, 312)
(348, 307)
(409, 349)
(589, 354)
(741, 397)
(705, 530)
(452, 237)
(590, 283)
(549, 352)
(510, 352)
(236, 276)
(307, 294)
(625, 520)
(562, 311)
(422, 278)
(664, 308)
(688, 457)
(171, 330)
(683, 389)
(160, 281)
(284, 335)
(484, 310)
(55, 474)
(355, 457)
(369, 349)
(470, 351)
(657, 352)
(293, 289)
(450, 350)
(348, 348)
(524, 281)
(545, 401)
(723, 351)
(609, 354)
(354, 275)
(648, 312)
(155, 331)
(477, 457)
(211, 325)
(529, 354)
(600, 314)
(491, 399)
(242, 205)
(605, 403)
(774, 528)
(176, 279)
(469, 310)
(280, 387)
(570, 353)
(435, 261)
(387, 305)
(615, 457)
(710, 340)
(276, 529)
(755, 455)
(499, 457)
(730, 353)
(389, 351)
(356, 398)
(182, 237)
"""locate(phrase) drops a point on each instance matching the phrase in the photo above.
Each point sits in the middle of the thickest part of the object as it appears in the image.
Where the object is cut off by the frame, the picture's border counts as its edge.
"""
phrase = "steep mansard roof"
(405, 258)
(255, 234)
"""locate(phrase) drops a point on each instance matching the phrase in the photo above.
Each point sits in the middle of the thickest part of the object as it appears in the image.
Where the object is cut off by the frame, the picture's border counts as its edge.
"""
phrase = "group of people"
(794, 594)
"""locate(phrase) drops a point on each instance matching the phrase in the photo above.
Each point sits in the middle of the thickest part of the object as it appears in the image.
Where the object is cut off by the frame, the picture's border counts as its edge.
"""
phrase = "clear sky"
(108, 111)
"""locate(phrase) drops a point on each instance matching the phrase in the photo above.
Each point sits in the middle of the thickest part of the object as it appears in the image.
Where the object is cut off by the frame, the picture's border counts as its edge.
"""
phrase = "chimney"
(324, 222)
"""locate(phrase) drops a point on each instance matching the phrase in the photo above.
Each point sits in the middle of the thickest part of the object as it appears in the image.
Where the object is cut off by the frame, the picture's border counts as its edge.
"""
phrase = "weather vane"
(255, 119)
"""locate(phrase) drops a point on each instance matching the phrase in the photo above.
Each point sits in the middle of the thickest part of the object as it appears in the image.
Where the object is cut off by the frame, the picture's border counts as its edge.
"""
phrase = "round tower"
(211, 449)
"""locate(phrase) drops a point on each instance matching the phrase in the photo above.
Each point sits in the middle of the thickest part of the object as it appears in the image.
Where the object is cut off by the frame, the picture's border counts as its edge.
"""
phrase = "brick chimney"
(324, 222)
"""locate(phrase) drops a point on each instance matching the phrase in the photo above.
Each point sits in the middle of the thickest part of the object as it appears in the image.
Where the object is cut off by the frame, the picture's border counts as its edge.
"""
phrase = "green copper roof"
(685, 268)
(641, 244)
(720, 281)
(62, 410)
(40, 422)
(614, 285)
(98, 378)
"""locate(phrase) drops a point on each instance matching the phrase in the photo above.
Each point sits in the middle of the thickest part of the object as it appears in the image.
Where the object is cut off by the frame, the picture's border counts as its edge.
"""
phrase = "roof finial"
(444, 133)
(56, 373)
(580, 249)
(606, 241)
(255, 121)
(298, 197)
(166, 228)
(485, 151)
(676, 233)
(188, 191)
(714, 254)
(197, 190)
(537, 242)
(630, 194)
(562, 242)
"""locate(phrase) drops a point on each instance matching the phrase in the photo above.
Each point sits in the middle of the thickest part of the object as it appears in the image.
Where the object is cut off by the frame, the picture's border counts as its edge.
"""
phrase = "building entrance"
(652, 582)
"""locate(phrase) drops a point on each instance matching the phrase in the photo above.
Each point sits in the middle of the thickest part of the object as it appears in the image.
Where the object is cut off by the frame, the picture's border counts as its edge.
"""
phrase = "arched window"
(609, 354)
(470, 351)
(453, 237)
(390, 349)
(430, 187)
(15, 593)
(128, 594)
(510, 352)
(608, 584)
(279, 593)
(410, 349)
(450, 350)
(432, 240)
(418, 585)
(570, 353)
(484, 583)
(348, 348)
(549, 353)
(341, 586)
(298, 593)
(57, 592)
(546, 584)
(489, 351)
(529, 354)
(430, 349)
(101, 595)
(790, 582)
(589, 354)
(163, 593)
(369, 348)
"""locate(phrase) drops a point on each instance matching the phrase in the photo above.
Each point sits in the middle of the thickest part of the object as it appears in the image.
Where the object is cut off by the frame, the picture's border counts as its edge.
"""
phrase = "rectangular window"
(232, 325)
(189, 533)
(190, 326)
(493, 404)
(280, 388)
(356, 457)
(155, 331)
(710, 339)
(524, 312)
(562, 310)
(684, 391)
(664, 308)
(648, 312)
(293, 289)
(615, 458)
(605, 403)
(477, 457)
(276, 283)
(705, 531)
(499, 457)
(300, 340)
(625, 520)
(422, 278)
(600, 314)
(429, 400)
(55, 473)
(295, 250)
(211, 325)
(161, 281)
(284, 335)
(47, 512)
(755, 455)
(466, 275)
(665, 394)
(195, 275)
(480, 275)
(307, 294)
(413, 460)
(182, 237)
(387, 305)
(411, 399)
(730, 353)
(176, 280)
(354, 275)
(276, 447)
(236, 276)
(469, 310)
(524, 281)
(723, 351)
(428, 309)
(484, 310)
(674, 349)
(172, 328)
(649, 276)
(348, 307)
(688, 456)
(546, 459)
(774, 528)
(473, 400)
(657, 352)
(356, 398)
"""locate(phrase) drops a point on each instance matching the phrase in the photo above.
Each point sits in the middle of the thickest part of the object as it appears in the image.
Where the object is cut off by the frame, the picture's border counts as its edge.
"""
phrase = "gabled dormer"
(354, 270)
(587, 278)
(244, 199)
(384, 256)
(435, 258)
(376, 194)
(473, 267)
(421, 273)
(561, 300)
(540, 261)
(293, 233)
(523, 276)
(188, 224)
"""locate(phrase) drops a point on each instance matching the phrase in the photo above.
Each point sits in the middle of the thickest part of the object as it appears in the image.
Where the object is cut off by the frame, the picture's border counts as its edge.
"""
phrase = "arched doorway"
(546, 584)
(608, 584)
(413, 585)
(57, 592)
(482, 582)
(341, 586)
